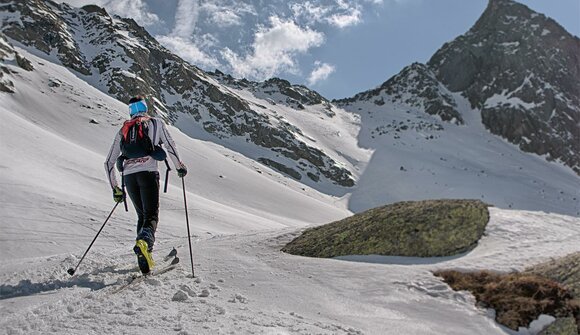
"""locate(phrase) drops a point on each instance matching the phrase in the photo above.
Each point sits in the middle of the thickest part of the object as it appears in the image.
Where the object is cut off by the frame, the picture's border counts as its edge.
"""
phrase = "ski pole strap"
(166, 176)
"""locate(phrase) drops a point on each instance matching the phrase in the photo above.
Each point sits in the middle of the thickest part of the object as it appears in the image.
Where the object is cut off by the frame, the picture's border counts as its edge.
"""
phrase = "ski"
(137, 278)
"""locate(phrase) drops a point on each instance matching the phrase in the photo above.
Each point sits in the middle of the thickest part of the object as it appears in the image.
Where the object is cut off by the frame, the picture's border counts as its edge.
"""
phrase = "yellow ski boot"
(144, 257)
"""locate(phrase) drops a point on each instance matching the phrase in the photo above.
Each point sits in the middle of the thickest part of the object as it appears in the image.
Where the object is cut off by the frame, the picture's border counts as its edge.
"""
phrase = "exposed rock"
(281, 167)
(565, 270)
(421, 229)
(180, 296)
(562, 326)
(24, 63)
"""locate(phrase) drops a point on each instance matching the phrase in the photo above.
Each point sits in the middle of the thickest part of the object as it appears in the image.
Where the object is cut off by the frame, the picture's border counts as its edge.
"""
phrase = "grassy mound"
(415, 228)
(518, 298)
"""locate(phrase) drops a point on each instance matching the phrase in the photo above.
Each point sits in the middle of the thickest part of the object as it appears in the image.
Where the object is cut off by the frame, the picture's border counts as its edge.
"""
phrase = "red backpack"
(135, 141)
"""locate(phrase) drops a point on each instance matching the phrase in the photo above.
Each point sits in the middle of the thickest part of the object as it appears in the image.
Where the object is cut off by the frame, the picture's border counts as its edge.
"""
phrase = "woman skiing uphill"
(136, 151)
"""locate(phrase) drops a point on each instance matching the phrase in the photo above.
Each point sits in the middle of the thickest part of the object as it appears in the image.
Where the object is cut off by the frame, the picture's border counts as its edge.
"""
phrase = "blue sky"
(337, 47)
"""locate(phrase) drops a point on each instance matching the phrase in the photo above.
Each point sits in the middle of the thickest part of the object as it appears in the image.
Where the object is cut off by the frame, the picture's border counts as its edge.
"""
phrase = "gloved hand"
(118, 194)
(182, 170)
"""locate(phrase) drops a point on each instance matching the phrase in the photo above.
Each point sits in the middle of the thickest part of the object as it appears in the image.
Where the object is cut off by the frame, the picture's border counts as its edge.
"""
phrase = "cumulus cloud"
(345, 20)
(188, 51)
(135, 9)
(310, 12)
(340, 14)
(274, 49)
(320, 72)
(227, 15)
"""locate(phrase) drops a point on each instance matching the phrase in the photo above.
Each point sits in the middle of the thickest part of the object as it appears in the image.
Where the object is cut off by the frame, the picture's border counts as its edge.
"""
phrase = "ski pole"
(72, 271)
(187, 222)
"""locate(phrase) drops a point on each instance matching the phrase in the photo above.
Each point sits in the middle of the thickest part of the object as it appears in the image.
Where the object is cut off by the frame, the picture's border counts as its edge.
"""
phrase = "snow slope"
(417, 156)
(55, 196)
(53, 160)
(252, 287)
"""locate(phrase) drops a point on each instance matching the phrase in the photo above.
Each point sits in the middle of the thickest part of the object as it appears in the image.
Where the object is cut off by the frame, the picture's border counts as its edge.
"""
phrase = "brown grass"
(517, 298)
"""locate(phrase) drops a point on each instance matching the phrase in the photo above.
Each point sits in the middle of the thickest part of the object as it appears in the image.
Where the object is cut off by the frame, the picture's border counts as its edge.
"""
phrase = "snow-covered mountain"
(514, 74)
(62, 71)
(336, 147)
(519, 69)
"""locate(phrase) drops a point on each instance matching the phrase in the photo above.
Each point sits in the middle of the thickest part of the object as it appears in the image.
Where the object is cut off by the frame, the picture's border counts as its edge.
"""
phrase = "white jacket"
(159, 135)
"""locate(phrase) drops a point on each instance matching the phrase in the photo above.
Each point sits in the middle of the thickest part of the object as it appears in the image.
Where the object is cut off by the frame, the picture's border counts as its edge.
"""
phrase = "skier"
(136, 151)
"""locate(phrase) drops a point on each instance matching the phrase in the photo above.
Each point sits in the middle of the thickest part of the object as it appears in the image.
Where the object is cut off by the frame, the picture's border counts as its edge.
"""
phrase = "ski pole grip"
(166, 176)
(124, 194)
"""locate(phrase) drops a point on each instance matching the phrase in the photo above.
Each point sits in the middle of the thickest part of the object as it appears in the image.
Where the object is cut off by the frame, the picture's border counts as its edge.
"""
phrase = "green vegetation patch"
(431, 228)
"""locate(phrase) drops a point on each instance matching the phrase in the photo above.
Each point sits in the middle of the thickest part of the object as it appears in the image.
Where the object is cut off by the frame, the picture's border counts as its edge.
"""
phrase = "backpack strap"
(130, 123)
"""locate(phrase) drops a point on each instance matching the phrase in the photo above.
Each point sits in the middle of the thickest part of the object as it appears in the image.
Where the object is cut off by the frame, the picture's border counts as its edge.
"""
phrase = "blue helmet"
(137, 106)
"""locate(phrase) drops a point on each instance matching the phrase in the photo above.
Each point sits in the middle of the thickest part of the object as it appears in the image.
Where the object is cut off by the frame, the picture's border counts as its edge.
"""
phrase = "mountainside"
(522, 70)
(122, 59)
(413, 138)
(519, 69)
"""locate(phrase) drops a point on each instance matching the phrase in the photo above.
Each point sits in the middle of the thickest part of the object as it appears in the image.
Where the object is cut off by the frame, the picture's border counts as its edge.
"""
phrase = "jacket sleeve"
(111, 160)
(170, 146)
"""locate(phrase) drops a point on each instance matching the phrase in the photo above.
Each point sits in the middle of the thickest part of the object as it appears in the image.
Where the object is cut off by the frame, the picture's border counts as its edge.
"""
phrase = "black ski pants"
(143, 189)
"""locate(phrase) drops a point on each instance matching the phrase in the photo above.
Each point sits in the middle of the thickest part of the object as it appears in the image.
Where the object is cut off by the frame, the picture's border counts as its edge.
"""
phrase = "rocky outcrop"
(420, 229)
(119, 57)
(565, 270)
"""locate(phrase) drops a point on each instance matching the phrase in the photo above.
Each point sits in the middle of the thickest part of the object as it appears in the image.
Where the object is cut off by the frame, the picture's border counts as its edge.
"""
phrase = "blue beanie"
(137, 106)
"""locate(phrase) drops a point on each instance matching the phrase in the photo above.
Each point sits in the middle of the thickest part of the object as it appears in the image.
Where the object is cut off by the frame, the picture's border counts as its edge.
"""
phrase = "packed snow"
(55, 197)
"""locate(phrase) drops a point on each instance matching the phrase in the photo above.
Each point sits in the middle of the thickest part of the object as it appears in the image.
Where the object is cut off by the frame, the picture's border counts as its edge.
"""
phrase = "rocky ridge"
(120, 58)
(518, 68)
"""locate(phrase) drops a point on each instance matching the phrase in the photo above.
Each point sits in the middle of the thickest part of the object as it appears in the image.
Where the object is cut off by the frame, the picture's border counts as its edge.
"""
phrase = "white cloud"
(274, 49)
(341, 14)
(309, 12)
(186, 18)
(321, 72)
(224, 15)
(135, 9)
(188, 51)
(345, 20)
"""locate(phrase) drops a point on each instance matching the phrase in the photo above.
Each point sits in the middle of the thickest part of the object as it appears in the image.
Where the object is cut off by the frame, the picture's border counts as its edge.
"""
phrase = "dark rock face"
(6, 52)
(523, 71)
(120, 58)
